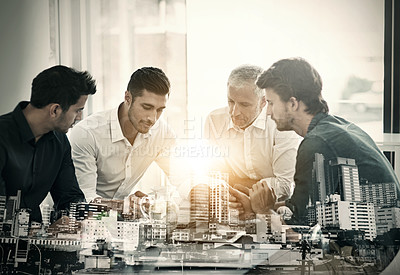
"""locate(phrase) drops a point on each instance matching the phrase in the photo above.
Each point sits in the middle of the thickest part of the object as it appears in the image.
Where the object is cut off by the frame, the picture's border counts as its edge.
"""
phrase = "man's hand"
(140, 194)
(242, 188)
(96, 200)
(139, 205)
(262, 198)
(243, 199)
(235, 204)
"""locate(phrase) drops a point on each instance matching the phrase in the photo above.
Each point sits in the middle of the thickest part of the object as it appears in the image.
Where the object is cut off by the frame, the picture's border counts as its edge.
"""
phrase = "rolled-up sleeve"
(284, 154)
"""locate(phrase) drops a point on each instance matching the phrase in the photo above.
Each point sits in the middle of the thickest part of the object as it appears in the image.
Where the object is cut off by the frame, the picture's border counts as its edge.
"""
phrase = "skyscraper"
(345, 174)
(219, 198)
(199, 204)
(321, 183)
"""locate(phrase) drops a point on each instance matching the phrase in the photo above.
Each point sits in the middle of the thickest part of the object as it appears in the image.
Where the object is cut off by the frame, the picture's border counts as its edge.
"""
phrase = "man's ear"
(263, 101)
(55, 110)
(128, 97)
(293, 103)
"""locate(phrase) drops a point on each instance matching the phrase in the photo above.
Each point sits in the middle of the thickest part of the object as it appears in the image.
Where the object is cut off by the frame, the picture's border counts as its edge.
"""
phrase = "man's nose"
(153, 116)
(235, 110)
(78, 117)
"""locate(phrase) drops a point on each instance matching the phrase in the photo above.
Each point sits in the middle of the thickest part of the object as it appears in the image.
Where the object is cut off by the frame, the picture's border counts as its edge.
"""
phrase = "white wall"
(24, 48)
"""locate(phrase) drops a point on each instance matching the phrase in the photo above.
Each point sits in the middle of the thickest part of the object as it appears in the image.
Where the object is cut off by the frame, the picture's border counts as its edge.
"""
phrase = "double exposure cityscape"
(354, 230)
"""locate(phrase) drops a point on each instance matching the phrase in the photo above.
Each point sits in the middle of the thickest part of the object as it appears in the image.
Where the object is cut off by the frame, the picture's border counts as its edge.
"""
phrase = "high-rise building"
(2, 210)
(199, 203)
(386, 219)
(344, 172)
(380, 194)
(46, 214)
(320, 178)
(347, 215)
(12, 207)
(73, 224)
(385, 198)
(219, 198)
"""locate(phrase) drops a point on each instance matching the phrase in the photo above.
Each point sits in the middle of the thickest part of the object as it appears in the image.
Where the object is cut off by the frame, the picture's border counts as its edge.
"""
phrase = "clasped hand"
(260, 199)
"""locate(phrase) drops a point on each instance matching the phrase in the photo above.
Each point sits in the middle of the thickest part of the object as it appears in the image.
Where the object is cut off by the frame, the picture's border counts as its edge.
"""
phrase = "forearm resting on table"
(235, 182)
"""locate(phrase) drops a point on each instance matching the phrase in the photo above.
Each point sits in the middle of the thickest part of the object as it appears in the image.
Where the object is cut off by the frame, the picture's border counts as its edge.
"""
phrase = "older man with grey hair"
(257, 151)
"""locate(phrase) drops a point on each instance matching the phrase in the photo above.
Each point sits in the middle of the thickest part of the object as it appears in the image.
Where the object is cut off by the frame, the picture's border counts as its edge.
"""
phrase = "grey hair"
(246, 75)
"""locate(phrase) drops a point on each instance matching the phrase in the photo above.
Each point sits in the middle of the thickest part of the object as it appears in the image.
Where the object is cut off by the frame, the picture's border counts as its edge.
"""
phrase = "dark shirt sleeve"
(303, 177)
(2, 164)
(66, 189)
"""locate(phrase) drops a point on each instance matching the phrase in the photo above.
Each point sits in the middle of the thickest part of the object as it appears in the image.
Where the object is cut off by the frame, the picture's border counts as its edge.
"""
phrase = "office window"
(342, 39)
(124, 35)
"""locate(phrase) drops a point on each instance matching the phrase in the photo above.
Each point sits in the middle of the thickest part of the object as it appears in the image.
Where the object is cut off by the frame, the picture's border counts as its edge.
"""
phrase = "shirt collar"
(23, 125)
(116, 131)
(315, 120)
(260, 122)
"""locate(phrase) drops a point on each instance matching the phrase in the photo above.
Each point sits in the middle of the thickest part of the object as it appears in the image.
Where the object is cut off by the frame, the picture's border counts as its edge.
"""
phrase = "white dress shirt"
(260, 152)
(106, 164)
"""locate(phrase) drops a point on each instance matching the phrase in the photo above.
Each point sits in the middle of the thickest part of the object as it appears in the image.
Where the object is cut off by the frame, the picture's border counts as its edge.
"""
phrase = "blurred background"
(197, 43)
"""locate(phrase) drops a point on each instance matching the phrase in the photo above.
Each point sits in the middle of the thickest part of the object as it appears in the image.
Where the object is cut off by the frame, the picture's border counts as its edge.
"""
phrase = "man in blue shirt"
(35, 154)
(293, 90)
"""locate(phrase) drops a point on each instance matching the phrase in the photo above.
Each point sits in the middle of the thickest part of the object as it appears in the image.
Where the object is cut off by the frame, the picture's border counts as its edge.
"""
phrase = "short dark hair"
(62, 85)
(148, 78)
(295, 77)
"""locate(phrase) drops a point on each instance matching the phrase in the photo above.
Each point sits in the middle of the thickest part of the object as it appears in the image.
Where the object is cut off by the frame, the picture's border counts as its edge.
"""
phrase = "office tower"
(73, 224)
(2, 211)
(199, 206)
(209, 202)
(384, 196)
(311, 213)
(219, 198)
(12, 207)
(345, 174)
(347, 215)
(386, 219)
(46, 214)
(380, 194)
(320, 179)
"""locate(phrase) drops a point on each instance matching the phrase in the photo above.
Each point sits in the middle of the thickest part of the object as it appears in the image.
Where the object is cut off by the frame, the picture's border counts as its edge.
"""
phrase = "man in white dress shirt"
(257, 151)
(112, 149)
